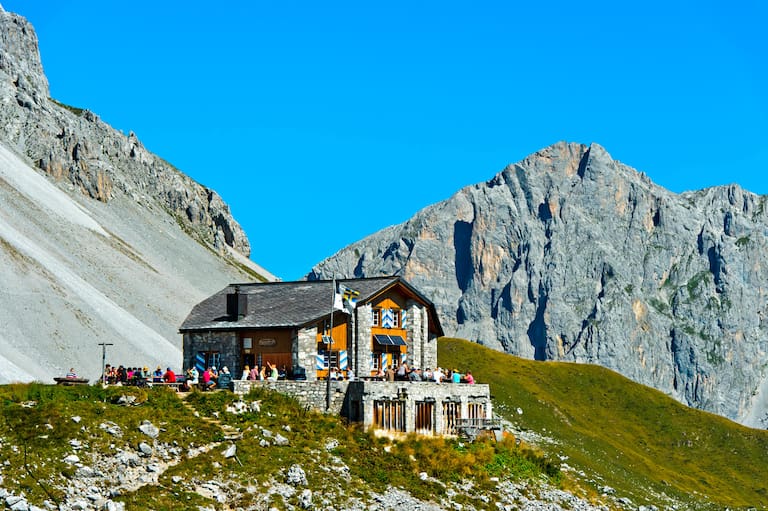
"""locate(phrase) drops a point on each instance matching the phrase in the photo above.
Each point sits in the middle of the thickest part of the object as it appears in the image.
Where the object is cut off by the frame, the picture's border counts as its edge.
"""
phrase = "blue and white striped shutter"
(343, 359)
(320, 363)
(200, 362)
(387, 318)
(403, 357)
(403, 317)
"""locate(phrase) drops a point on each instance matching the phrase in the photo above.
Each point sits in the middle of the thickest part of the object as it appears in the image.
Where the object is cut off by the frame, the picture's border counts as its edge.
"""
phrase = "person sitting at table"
(225, 378)
(208, 381)
(169, 376)
(71, 375)
(192, 377)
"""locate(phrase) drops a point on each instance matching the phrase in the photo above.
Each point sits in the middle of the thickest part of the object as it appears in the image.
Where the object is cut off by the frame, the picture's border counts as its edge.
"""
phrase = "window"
(389, 318)
(337, 358)
(451, 416)
(389, 414)
(376, 317)
(425, 412)
(206, 359)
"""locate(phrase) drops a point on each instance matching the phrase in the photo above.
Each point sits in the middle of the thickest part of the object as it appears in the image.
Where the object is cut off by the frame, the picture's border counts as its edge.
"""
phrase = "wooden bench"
(71, 381)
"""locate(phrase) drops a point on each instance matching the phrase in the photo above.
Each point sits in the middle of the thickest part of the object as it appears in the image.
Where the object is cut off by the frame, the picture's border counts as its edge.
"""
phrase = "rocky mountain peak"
(572, 255)
(20, 57)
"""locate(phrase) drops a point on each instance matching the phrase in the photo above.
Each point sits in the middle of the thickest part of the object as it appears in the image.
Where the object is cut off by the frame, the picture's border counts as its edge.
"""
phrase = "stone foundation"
(405, 407)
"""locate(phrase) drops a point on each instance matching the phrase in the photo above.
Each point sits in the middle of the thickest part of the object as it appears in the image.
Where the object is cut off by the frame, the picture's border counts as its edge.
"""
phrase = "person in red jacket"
(208, 380)
(169, 376)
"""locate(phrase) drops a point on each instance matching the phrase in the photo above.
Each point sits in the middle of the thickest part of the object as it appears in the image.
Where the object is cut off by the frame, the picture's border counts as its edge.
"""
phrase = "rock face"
(75, 146)
(101, 242)
(571, 255)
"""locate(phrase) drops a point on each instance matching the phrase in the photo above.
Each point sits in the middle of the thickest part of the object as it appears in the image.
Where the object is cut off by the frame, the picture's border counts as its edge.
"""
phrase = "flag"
(348, 298)
(338, 302)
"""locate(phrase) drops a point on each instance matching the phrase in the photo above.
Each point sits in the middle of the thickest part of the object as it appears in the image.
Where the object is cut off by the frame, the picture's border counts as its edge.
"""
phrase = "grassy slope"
(634, 438)
(37, 418)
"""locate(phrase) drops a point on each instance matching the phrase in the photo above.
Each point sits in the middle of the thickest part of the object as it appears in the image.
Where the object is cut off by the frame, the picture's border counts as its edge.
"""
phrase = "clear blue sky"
(323, 122)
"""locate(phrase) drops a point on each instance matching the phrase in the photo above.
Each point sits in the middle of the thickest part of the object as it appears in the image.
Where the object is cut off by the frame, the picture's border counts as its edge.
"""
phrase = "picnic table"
(71, 381)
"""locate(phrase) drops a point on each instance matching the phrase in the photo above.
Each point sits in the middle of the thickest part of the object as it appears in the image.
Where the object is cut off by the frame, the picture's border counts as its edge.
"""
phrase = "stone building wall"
(308, 393)
(422, 346)
(355, 400)
(225, 342)
(305, 351)
(363, 326)
(362, 395)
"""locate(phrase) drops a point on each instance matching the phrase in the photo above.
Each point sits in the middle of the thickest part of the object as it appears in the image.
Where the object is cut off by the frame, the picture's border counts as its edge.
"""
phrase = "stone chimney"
(237, 304)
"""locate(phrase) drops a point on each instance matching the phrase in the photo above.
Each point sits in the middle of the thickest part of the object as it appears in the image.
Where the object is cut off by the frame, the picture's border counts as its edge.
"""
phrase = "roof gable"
(290, 304)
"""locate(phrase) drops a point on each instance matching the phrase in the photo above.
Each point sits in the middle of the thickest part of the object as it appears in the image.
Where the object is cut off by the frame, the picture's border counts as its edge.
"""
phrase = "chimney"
(237, 304)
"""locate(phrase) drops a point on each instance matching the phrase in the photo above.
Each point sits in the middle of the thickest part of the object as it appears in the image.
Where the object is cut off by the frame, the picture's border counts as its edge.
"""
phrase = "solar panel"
(397, 340)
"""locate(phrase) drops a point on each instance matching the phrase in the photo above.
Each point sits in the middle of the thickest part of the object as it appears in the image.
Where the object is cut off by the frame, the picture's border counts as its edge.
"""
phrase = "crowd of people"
(438, 375)
(212, 378)
(267, 371)
(139, 376)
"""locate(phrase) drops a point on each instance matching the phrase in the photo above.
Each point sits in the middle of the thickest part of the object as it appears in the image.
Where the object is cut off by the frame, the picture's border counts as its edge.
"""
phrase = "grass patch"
(75, 110)
(633, 438)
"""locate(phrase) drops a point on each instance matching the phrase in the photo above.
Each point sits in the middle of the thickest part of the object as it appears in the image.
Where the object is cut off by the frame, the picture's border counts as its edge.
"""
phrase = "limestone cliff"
(571, 255)
(74, 145)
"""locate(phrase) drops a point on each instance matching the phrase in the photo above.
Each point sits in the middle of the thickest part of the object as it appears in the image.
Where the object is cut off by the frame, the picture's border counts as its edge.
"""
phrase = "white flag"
(338, 302)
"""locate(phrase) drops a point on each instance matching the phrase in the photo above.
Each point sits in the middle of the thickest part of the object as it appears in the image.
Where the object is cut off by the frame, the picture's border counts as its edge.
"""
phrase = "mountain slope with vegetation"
(634, 439)
(93, 448)
(583, 438)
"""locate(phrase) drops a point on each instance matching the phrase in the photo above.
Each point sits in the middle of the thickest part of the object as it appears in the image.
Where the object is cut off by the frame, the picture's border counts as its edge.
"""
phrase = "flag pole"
(328, 349)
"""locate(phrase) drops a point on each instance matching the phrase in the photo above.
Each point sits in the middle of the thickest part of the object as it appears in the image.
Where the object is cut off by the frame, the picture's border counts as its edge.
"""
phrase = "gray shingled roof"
(288, 304)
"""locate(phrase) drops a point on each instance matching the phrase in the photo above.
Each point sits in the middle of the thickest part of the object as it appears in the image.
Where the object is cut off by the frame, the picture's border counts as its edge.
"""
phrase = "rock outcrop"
(75, 146)
(571, 255)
